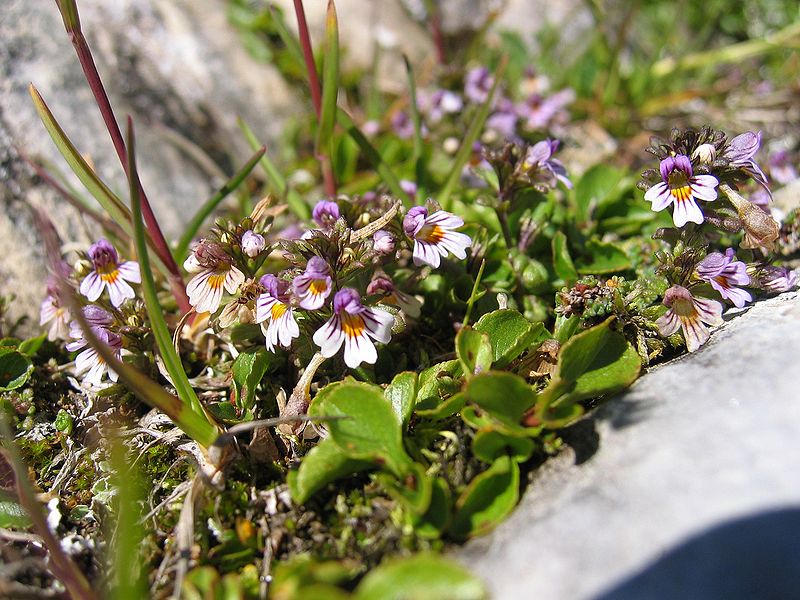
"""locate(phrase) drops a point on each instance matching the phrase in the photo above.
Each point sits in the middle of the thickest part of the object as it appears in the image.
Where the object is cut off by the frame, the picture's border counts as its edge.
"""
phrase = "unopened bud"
(705, 153)
(252, 243)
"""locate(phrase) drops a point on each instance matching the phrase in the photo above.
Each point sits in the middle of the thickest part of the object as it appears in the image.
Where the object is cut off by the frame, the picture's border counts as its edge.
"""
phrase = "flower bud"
(705, 154)
(252, 243)
(383, 242)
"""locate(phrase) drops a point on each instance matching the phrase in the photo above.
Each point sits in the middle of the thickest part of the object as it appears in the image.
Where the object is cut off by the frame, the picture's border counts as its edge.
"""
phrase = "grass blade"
(199, 218)
(172, 361)
(373, 156)
(416, 156)
(330, 83)
(275, 178)
(107, 199)
(475, 128)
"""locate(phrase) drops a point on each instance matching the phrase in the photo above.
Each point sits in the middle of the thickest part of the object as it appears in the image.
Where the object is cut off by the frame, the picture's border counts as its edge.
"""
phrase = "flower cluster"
(290, 301)
(699, 175)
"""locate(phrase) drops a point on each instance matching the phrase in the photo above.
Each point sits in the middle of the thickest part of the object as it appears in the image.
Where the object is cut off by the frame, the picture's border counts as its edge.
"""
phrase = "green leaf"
(31, 346)
(487, 500)
(323, 464)
(594, 362)
(371, 430)
(490, 444)
(504, 395)
(599, 185)
(605, 258)
(196, 222)
(402, 394)
(330, 83)
(248, 371)
(446, 408)
(562, 261)
(431, 524)
(13, 516)
(63, 422)
(15, 369)
(510, 334)
(437, 383)
(474, 350)
(420, 577)
(414, 489)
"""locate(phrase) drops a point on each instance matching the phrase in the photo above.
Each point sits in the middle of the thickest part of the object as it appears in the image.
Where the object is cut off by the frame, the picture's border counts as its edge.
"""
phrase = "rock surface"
(691, 491)
(175, 66)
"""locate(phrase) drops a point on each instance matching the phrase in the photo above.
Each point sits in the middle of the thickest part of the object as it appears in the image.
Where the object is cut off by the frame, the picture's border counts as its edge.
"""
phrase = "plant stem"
(69, 13)
(315, 88)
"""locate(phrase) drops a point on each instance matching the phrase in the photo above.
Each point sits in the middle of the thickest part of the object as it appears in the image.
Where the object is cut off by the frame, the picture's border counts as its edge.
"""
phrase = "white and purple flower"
(384, 288)
(109, 272)
(275, 313)
(314, 285)
(725, 273)
(213, 272)
(435, 235)
(542, 168)
(353, 324)
(680, 187)
(325, 213)
(253, 243)
(52, 311)
(690, 314)
(777, 279)
(740, 152)
(435, 105)
(89, 361)
(478, 83)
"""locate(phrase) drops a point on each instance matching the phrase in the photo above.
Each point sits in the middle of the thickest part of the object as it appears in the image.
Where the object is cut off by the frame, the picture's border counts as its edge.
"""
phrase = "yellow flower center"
(217, 280)
(352, 325)
(318, 286)
(278, 310)
(109, 275)
(432, 234)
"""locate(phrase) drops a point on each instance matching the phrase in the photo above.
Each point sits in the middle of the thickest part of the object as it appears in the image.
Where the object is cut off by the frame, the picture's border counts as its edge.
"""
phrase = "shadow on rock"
(752, 557)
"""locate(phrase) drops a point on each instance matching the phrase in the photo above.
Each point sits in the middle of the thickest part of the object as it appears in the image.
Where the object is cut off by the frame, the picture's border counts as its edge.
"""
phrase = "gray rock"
(175, 66)
(696, 462)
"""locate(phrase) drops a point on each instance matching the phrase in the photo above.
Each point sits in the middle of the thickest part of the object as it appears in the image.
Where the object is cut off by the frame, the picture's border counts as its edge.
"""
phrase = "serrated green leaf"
(487, 500)
(323, 464)
(15, 369)
(420, 577)
(474, 351)
(510, 334)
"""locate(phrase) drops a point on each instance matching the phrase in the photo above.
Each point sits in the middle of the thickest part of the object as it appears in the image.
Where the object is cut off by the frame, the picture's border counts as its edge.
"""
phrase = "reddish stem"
(435, 22)
(103, 103)
(316, 90)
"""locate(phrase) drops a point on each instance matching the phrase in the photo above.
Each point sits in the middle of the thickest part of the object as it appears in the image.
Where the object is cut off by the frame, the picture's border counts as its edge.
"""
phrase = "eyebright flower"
(539, 112)
(542, 168)
(54, 313)
(252, 243)
(314, 285)
(383, 242)
(353, 324)
(325, 213)
(690, 314)
(273, 306)
(109, 273)
(777, 279)
(680, 186)
(434, 236)
(384, 287)
(214, 272)
(504, 119)
(402, 125)
(89, 361)
(477, 84)
(740, 152)
(724, 273)
(435, 105)
(409, 187)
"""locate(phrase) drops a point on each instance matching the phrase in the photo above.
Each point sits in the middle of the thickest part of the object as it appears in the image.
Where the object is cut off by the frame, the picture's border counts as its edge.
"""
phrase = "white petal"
(130, 271)
(119, 291)
(659, 192)
(92, 286)
(668, 323)
(426, 254)
(685, 211)
(445, 219)
(456, 243)
(694, 332)
(703, 187)
(329, 337)
(378, 324)
(358, 349)
(233, 280)
(264, 305)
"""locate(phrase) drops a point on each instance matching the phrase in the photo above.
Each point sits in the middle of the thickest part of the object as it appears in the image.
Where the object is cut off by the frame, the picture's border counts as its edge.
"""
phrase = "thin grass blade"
(196, 222)
(475, 128)
(330, 83)
(172, 361)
